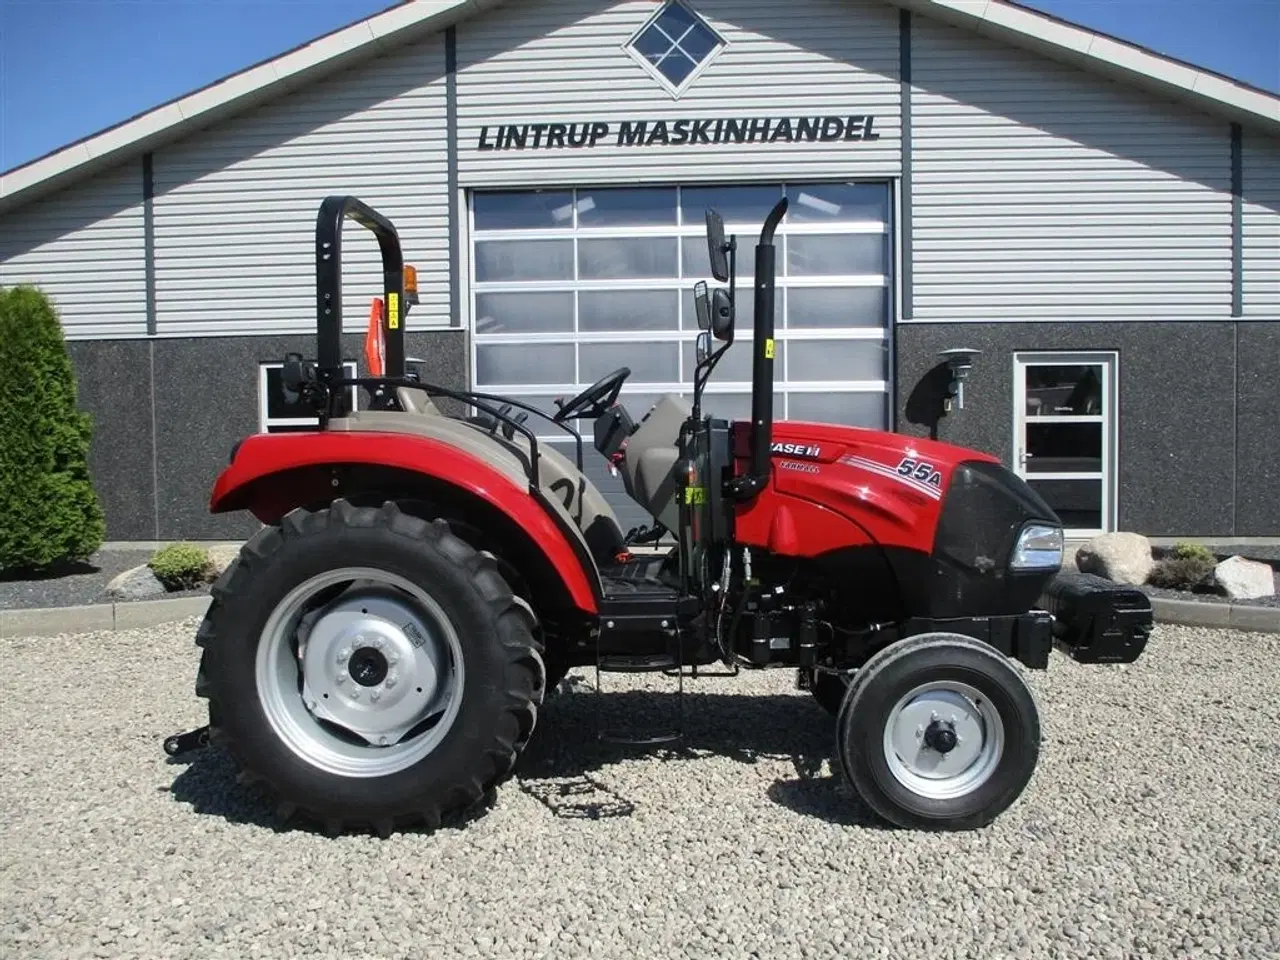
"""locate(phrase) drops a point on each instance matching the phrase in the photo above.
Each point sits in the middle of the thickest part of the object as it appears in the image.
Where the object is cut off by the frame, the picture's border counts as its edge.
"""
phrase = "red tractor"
(378, 653)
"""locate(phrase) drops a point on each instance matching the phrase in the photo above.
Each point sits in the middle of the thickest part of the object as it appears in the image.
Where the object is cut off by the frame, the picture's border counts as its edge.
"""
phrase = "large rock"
(221, 556)
(1120, 557)
(138, 583)
(1243, 579)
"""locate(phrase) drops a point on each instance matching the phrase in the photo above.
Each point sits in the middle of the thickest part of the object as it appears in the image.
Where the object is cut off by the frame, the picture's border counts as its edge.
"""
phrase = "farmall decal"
(677, 133)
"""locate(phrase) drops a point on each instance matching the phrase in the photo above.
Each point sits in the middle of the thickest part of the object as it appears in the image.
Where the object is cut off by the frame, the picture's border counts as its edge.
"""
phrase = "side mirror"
(702, 348)
(716, 246)
(722, 316)
(701, 305)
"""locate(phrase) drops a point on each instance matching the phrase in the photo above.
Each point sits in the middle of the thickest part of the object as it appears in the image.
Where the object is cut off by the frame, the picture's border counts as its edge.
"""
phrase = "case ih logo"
(797, 450)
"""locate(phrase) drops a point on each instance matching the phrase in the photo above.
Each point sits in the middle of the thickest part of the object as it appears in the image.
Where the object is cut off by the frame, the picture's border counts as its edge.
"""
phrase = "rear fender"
(271, 474)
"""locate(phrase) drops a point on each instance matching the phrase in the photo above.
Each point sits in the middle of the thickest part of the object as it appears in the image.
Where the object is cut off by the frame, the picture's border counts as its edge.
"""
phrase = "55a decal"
(919, 470)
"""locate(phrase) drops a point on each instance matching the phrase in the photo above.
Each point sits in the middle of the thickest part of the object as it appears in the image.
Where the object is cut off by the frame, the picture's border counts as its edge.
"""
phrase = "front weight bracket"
(181, 743)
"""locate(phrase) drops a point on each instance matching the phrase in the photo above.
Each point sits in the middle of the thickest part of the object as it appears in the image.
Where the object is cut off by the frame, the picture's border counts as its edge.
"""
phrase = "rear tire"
(893, 742)
(435, 632)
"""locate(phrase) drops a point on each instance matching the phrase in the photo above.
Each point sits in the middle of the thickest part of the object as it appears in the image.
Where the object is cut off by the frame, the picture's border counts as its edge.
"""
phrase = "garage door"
(568, 285)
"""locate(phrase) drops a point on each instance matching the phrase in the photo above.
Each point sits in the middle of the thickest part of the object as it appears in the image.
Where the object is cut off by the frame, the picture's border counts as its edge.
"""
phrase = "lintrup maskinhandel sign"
(676, 133)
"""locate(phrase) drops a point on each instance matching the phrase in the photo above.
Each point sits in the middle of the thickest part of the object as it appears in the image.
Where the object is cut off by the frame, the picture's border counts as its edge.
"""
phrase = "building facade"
(1101, 223)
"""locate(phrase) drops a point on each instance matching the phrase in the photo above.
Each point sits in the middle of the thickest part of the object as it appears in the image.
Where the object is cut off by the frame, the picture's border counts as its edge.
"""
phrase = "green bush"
(1194, 551)
(49, 513)
(1193, 573)
(181, 566)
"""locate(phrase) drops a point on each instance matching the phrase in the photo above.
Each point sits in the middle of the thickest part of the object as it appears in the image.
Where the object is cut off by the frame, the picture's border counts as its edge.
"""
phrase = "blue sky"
(71, 67)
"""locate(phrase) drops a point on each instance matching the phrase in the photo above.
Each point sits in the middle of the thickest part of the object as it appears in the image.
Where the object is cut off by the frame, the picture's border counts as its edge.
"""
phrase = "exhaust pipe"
(747, 486)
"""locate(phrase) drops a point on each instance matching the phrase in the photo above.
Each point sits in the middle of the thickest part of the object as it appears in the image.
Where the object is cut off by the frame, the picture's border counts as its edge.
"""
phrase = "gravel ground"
(1150, 830)
(79, 585)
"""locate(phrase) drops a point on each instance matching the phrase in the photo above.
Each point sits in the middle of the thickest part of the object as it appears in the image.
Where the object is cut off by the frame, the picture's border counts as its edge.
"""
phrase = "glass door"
(1064, 435)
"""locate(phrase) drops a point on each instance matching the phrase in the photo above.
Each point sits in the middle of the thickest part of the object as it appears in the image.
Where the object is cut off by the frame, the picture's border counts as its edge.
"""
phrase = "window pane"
(637, 403)
(524, 363)
(849, 254)
(735, 364)
(627, 259)
(838, 202)
(1064, 447)
(810, 307)
(736, 406)
(737, 205)
(1078, 503)
(524, 312)
(537, 210)
(695, 262)
(674, 20)
(698, 42)
(281, 408)
(837, 360)
(1068, 389)
(851, 409)
(649, 362)
(628, 310)
(621, 207)
(508, 260)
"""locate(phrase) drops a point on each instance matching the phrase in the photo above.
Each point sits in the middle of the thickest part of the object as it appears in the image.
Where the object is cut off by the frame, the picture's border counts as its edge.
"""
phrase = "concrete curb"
(1229, 616)
(49, 621)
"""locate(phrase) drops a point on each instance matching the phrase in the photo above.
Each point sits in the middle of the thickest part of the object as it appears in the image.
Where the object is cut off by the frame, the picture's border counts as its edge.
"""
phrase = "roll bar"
(334, 211)
(748, 485)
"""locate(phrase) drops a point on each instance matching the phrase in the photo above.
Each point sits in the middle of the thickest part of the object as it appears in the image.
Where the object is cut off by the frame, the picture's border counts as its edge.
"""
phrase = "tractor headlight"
(1039, 547)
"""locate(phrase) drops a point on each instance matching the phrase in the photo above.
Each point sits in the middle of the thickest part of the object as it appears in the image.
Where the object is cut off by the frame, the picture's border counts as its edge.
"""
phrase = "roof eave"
(1101, 54)
(232, 95)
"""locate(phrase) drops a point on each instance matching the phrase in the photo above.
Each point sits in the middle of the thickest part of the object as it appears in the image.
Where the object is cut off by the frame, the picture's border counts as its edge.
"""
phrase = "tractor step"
(637, 663)
(667, 664)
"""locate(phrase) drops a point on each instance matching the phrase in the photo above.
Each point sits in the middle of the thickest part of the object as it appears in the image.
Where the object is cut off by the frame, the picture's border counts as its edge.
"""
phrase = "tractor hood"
(949, 518)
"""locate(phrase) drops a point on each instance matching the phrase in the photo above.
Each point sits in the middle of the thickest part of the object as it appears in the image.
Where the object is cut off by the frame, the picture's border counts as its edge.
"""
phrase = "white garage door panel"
(569, 285)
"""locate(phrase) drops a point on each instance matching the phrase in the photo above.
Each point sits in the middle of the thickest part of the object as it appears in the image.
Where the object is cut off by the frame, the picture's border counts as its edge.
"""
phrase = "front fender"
(252, 482)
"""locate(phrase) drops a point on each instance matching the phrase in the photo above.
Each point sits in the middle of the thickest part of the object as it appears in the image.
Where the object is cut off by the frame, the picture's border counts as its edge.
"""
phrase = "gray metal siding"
(563, 61)
(1042, 192)
(84, 247)
(1261, 221)
(235, 205)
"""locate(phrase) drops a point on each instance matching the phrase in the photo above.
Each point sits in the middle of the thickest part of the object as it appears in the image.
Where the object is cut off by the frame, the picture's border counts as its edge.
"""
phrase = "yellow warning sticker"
(768, 349)
(695, 495)
(393, 312)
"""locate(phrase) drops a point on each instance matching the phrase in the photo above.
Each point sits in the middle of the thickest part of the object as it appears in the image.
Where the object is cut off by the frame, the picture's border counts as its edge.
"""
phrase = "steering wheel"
(596, 399)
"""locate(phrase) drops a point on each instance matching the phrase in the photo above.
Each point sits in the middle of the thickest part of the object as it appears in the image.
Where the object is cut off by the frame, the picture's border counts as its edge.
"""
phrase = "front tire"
(369, 668)
(938, 732)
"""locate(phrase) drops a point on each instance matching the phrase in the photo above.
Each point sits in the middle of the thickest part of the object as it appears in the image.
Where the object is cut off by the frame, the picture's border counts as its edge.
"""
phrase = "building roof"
(999, 19)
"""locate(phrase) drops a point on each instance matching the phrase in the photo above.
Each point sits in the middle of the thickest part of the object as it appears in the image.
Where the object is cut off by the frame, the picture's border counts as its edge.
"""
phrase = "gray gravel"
(1150, 831)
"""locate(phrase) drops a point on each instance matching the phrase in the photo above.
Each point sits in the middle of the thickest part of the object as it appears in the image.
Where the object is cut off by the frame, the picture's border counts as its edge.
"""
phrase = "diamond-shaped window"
(675, 43)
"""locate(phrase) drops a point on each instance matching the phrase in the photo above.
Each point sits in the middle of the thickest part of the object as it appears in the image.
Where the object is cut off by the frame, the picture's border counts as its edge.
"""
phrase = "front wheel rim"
(943, 740)
(364, 683)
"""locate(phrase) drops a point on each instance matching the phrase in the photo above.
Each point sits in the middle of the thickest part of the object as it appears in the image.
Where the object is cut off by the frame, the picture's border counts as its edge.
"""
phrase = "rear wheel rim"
(943, 740)
(366, 683)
